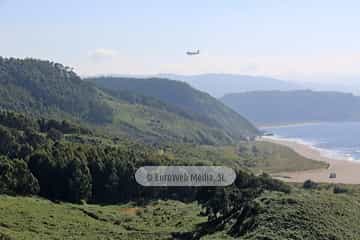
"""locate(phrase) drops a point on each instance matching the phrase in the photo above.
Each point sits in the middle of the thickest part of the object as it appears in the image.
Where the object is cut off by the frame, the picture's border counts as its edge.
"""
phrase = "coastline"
(347, 171)
(281, 125)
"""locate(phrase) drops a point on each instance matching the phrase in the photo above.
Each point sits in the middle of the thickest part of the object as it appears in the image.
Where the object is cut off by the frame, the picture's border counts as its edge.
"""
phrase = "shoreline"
(347, 171)
(281, 125)
(284, 125)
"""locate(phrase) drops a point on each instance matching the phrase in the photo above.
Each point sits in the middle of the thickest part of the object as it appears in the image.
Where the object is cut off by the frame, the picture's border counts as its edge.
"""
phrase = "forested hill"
(51, 90)
(199, 105)
(44, 88)
(280, 107)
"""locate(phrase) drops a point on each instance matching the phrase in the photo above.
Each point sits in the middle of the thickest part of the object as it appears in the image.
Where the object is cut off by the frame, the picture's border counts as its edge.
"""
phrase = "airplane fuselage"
(193, 53)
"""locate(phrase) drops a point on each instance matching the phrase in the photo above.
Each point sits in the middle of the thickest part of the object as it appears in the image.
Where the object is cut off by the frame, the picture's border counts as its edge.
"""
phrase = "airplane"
(193, 53)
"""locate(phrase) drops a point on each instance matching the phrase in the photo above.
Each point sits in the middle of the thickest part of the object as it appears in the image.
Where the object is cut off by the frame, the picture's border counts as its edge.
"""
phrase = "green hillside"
(47, 89)
(35, 218)
(61, 160)
(317, 214)
(201, 106)
(282, 107)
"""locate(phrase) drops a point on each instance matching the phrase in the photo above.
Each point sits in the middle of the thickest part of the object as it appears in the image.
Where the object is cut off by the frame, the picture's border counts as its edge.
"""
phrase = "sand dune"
(347, 172)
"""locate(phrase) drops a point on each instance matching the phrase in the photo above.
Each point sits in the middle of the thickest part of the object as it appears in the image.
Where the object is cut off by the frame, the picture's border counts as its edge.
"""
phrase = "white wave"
(329, 153)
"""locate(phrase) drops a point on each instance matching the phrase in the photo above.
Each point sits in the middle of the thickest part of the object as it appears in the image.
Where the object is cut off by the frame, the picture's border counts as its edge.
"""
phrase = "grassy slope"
(34, 218)
(303, 214)
(268, 157)
(273, 158)
(149, 123)
(180, 95)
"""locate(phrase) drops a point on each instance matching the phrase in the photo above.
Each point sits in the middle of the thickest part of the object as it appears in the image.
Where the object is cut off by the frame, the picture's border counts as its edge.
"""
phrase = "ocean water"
(336, 140)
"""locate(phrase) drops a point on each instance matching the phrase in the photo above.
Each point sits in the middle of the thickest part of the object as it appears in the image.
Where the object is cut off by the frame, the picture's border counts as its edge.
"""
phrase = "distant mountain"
(201, 106)
(220, 84)
(51, 90)
(279, 107)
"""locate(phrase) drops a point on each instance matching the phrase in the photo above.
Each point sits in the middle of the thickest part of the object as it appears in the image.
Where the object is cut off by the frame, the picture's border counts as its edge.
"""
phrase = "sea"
(336, 140)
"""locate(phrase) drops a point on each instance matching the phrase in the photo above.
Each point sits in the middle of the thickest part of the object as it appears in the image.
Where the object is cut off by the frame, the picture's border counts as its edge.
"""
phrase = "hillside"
(63, 161)
(199, 105)
(220, 84)
(282, 107)
(47, 89)
(36, 218)
(317, 214)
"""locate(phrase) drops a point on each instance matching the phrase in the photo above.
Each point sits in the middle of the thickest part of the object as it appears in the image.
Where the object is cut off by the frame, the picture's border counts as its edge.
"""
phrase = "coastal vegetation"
(69, 149)
(301, 214)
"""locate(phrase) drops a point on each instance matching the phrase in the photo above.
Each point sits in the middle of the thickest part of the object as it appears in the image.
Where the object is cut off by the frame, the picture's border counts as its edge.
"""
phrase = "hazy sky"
(291, 39)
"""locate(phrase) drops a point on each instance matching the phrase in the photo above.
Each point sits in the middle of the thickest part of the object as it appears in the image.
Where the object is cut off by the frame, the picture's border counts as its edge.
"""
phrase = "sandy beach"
(347, 172)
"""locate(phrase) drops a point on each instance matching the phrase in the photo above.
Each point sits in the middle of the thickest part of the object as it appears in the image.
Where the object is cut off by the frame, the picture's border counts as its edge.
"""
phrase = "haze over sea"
(336, 140)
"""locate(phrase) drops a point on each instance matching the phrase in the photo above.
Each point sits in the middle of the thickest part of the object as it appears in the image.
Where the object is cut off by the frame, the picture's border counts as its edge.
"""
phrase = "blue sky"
(309, 40)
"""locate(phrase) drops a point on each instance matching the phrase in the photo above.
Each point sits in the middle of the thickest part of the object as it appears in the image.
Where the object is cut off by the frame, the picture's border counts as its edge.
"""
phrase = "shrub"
(339, 189)
(308, 184)
(4, 237)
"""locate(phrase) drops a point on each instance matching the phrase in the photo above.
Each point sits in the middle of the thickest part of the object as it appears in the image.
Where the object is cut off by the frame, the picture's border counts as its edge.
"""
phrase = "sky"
(307, 40)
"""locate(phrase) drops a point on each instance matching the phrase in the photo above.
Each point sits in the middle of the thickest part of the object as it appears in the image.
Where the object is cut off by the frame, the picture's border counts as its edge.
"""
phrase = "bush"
(308, 184)
(339, 189)
(4, 237)
(272, 184)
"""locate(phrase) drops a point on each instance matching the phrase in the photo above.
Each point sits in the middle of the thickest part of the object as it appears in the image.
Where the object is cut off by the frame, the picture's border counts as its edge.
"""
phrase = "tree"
(54, 134)
(79, 181)
(8, 144)
(16, 178)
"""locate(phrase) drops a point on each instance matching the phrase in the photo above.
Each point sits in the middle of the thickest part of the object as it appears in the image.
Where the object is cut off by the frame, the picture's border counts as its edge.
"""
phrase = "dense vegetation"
(63, 161)
(279, 107)
(51, 90)
(41, 157)
(201, 106)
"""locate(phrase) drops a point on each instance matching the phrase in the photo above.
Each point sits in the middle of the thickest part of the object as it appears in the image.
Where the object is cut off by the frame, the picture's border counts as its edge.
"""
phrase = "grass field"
(315, 214)
(35, 218)
(273, 158)
(255, 156)
(150, 122)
